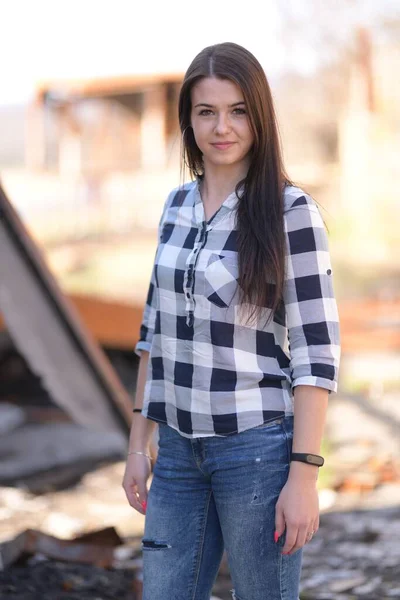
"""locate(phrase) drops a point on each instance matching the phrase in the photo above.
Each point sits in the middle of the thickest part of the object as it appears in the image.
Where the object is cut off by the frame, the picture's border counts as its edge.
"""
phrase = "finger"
(301, 538)
(291, 537)
(142, 491)
(133, 498)
(279, 522)
(316, 524)
(313, 530)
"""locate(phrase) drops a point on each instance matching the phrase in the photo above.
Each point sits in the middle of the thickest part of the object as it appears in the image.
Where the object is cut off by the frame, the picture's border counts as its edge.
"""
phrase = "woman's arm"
(314, 344)
(138, 467)
(141, 429)
(310, 406)
(297, 509)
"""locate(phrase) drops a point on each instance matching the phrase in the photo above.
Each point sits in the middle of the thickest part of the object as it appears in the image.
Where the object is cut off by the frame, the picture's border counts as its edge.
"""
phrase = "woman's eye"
(239, 111)
(205, 112)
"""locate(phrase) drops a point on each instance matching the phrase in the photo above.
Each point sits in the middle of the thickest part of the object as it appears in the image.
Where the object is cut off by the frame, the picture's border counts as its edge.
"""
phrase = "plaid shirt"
(209, 373)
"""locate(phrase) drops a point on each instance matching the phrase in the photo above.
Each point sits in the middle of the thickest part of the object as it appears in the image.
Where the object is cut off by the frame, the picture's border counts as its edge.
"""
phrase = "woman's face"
(220, 122)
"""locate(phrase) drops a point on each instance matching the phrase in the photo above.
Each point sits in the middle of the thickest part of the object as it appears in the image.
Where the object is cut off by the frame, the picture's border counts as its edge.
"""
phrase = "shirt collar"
(229, 204)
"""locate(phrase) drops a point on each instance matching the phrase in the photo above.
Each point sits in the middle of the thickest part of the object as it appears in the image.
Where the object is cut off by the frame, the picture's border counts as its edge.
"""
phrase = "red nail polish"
(144, 505)
(285, 553)
(276, 536)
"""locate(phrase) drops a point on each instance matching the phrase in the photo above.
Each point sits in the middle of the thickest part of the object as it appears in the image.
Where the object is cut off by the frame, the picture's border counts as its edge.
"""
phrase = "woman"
(239, 350)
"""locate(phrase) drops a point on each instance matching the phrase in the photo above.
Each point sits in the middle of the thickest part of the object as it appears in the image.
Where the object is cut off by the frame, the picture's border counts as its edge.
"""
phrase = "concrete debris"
(11, 417)
(37, 448)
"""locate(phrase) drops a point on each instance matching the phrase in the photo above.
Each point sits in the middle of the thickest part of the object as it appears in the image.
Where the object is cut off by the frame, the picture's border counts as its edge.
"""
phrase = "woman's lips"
(223, 145)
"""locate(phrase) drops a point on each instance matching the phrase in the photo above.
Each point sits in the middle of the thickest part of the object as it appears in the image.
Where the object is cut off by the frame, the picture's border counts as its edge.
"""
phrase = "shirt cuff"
(327, 384)
(142, 345)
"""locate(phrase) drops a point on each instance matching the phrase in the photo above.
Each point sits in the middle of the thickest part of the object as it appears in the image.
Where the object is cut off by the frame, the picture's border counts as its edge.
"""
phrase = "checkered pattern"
(209, 372)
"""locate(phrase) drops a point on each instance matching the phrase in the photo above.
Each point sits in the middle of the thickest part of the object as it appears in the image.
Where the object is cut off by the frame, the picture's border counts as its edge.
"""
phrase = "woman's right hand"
(137, 472)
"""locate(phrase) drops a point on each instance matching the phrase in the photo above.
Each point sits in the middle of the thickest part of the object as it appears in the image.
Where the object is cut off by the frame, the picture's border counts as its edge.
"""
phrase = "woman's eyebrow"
(212, 106)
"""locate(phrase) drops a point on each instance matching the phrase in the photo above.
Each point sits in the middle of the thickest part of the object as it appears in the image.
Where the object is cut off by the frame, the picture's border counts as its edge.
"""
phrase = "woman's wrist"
(139, 448)
(142, 429)
(140, 453)
(303, 471)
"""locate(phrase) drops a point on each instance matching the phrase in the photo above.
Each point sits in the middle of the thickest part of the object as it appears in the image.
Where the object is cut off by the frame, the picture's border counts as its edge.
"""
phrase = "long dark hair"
(260, 237)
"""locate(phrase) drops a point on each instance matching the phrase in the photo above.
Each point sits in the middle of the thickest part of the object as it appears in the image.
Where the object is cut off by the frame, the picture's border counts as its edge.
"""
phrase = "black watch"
(310, 459)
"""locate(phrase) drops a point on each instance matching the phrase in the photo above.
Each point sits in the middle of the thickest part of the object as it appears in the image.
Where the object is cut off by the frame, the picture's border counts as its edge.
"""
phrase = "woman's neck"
(217, 184)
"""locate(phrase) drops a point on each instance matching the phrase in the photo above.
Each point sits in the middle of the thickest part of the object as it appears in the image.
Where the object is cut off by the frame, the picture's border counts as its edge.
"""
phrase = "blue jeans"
(216, 493)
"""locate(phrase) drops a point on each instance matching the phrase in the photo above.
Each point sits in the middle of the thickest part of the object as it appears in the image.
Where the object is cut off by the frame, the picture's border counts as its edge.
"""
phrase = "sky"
(47, 39)
(53, 39)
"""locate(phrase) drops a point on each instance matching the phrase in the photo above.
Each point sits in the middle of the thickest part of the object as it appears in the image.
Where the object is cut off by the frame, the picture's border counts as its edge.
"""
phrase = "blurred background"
(89, 149)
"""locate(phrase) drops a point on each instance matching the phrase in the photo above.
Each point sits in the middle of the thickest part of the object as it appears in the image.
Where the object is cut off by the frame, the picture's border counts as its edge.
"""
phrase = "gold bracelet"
(143, 453)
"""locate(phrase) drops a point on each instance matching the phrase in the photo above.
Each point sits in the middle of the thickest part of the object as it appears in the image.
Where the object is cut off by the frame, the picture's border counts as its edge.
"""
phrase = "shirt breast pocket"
(221, 280)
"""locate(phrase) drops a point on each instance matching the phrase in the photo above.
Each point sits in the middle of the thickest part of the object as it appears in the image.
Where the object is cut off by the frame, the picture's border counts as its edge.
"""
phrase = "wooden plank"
(113, 324)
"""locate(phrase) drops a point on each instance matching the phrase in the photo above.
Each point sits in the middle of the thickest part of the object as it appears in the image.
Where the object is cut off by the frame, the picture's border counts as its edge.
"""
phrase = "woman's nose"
(223, 124)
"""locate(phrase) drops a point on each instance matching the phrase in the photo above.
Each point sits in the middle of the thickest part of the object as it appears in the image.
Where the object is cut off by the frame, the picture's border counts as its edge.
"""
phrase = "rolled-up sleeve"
(148, 319)
(311, 310)
(150, 308)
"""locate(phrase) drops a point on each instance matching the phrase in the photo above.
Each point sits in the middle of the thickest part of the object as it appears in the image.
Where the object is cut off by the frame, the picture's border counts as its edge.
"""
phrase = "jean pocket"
(221, 279)
(268, 424)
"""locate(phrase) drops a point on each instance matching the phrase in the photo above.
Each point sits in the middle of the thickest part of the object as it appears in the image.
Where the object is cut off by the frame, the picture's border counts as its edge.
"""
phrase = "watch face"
(314, 460)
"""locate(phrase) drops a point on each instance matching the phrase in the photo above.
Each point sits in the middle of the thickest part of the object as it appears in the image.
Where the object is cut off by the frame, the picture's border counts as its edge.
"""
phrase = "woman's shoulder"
(176, 198)
(178, 194)
(295, 197)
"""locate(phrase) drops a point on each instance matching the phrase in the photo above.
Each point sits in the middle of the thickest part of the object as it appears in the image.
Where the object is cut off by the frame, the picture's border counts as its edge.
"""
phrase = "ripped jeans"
(216, 493)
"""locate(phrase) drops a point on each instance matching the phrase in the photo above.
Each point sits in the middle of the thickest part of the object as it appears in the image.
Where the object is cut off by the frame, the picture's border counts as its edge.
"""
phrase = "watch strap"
(310, 459)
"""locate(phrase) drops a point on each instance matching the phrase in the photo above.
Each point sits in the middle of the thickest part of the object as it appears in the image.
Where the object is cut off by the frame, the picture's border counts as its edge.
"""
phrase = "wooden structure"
(99, 125)
(48, 331)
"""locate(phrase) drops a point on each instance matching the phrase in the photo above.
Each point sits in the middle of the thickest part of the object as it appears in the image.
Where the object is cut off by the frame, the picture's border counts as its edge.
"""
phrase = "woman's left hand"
(297, 508)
